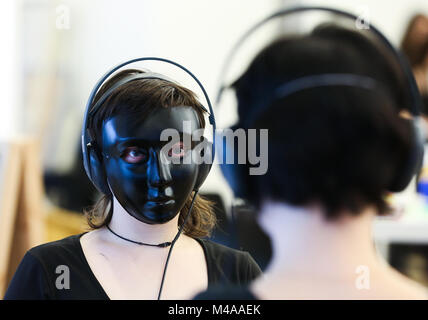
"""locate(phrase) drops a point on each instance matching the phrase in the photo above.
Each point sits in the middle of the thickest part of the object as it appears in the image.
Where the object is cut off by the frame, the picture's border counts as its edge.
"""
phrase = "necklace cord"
(160, 245)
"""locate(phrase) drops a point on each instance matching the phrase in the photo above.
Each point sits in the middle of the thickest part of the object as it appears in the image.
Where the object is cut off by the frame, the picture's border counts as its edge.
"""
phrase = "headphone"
(235, 175)
(92, 159)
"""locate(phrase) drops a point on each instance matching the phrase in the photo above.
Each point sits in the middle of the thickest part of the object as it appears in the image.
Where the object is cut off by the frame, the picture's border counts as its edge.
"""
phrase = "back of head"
(338, 146)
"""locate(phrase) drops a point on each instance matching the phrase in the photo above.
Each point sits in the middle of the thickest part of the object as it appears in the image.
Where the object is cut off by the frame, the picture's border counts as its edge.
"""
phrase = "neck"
(130, 228)
(304, 243)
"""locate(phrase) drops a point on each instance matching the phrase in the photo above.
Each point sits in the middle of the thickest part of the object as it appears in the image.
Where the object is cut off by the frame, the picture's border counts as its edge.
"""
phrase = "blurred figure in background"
(415, 46)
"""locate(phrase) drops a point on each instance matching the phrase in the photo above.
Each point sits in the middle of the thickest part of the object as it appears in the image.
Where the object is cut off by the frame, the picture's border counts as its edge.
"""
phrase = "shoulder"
(235, 265)
(59, 250)
(65, 244)
(218, 249)
(35, 276)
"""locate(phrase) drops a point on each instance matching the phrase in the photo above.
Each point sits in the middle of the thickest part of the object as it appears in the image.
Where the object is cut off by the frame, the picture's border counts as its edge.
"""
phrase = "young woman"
(331, 102)
(134, 223)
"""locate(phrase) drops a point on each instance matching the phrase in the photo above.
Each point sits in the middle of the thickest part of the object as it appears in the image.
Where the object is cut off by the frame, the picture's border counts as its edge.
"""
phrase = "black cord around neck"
(160, 245)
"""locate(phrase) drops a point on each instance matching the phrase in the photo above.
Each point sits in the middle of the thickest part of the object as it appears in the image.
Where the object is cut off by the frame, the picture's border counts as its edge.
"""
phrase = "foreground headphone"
(92, 159)
(235, 175)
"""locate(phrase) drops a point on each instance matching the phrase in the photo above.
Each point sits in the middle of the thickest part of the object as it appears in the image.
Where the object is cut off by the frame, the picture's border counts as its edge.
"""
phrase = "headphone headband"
(318, 80)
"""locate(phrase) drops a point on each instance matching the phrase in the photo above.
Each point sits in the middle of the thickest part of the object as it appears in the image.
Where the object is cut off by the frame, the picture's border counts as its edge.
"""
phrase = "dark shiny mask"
(150, 188)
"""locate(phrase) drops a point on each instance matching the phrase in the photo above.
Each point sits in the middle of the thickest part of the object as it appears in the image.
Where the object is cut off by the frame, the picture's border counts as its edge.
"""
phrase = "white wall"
(8, 66)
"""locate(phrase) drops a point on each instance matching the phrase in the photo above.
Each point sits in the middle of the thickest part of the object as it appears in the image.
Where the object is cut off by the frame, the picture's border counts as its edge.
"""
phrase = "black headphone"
(235, 175)
(92, 160)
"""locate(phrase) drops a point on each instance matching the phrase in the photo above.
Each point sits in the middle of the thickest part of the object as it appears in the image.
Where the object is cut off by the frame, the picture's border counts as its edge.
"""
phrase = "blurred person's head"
(127, 130)
(415, 47)
(415, 40)
(338, 147)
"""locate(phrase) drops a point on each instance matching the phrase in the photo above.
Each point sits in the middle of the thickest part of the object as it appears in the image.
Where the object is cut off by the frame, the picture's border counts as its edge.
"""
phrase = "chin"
(155, 217)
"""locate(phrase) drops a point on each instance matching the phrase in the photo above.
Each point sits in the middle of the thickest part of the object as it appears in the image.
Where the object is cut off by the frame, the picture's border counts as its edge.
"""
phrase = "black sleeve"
(29, 281)
(253, 269)
(229, 266)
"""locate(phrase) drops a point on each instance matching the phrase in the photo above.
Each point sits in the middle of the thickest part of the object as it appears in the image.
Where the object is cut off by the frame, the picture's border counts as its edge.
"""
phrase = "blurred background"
(54, 52)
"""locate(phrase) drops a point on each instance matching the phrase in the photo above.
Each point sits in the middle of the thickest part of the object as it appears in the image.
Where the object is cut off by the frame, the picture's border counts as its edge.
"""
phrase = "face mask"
(147, 186)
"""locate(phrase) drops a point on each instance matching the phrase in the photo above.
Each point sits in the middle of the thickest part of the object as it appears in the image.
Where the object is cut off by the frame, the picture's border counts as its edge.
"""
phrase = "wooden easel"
(21, 200)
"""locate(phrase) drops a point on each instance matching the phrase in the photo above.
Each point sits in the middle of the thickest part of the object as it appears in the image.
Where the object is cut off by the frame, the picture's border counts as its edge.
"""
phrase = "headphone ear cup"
(235, 177)
(97, 173)
(235, 174)
(412, 163)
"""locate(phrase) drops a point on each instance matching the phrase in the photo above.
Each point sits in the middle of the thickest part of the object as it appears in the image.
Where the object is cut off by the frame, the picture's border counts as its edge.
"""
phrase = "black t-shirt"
(41, 268)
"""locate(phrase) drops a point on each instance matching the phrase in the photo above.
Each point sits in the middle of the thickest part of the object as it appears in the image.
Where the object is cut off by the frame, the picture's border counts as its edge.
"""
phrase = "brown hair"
(140, 97)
